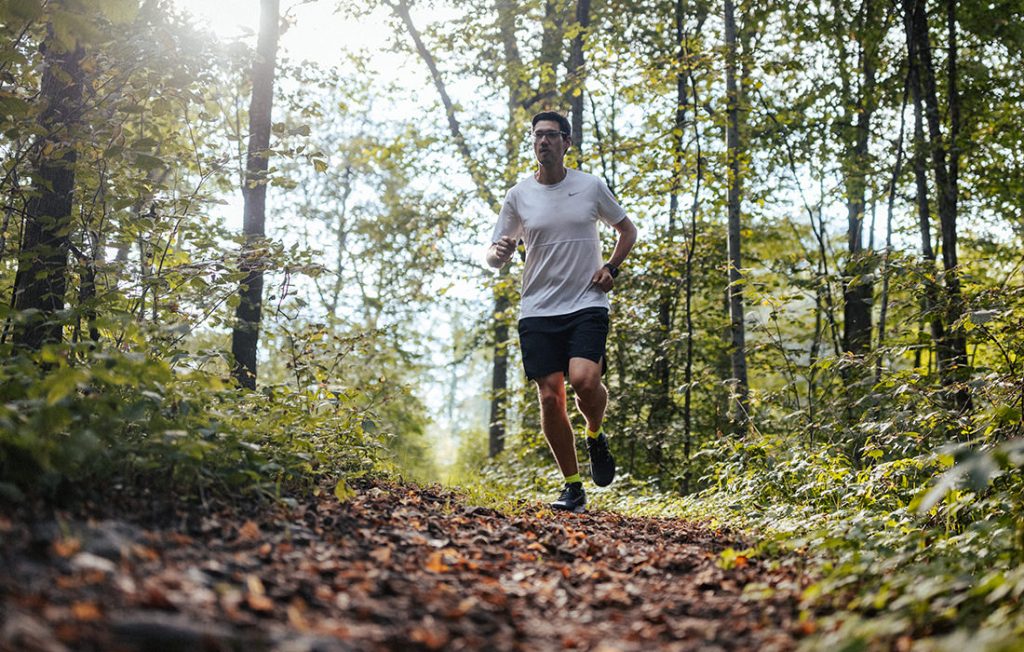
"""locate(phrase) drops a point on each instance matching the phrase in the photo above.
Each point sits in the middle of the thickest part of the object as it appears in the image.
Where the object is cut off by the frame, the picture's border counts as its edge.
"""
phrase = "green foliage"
(88, 419)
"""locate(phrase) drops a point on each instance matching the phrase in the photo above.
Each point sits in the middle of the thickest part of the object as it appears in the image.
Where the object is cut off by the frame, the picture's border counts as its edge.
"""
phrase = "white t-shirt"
(563, 250)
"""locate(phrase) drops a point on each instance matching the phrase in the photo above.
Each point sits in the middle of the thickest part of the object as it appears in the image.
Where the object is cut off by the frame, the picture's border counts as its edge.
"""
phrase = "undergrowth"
(76, 421)
(919, 552)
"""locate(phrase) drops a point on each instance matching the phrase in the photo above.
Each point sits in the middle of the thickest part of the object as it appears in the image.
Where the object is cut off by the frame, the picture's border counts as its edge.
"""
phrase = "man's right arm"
(501, 251)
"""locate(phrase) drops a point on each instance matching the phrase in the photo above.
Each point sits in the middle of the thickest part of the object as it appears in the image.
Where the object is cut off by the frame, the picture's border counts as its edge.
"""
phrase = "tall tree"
(41, 281)
(857, 286)
(952, 348)
(245, 337)
(930, 295)
(737, 328)
(576, 73)
(515, 82)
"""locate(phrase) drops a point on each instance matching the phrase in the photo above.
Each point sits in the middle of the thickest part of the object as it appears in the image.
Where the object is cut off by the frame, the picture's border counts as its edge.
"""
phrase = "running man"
(563, 321)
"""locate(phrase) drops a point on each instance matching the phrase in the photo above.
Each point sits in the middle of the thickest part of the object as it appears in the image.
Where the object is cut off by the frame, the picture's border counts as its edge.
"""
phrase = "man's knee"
(551, 394)
(586, 384)
(551, 401)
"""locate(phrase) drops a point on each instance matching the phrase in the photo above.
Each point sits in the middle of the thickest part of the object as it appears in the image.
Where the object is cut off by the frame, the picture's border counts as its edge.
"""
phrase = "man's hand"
(603, 279)
(502, 250)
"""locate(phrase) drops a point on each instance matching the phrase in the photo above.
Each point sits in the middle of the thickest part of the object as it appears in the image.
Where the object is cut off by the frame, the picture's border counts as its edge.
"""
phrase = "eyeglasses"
(550, 135)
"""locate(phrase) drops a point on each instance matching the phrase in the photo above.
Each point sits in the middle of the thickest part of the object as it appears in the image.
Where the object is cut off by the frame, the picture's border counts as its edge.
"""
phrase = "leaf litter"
(392, 567)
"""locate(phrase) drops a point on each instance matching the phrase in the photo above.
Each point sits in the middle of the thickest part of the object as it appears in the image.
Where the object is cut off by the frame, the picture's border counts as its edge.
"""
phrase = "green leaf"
(12, 106)
(343, 492)
(61, 384)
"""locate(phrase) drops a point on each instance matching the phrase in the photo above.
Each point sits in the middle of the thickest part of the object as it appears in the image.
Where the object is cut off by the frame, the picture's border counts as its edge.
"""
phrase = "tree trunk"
(499, 371)
(890, 207)
(691, 246)
(41, 281)
(930, 297)
(245, 338)
(857, 286)
(551, 53)
(576, 73)
(738, 354)
(952, 348)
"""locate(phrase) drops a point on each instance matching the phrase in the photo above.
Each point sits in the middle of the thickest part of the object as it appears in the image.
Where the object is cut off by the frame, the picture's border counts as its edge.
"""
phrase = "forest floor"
(393, 567)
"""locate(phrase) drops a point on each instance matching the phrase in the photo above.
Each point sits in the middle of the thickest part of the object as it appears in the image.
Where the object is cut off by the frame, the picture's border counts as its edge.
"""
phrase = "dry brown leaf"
(435, 563)
(250, 531)
(383, 554)
(296, 616)
(259, 603)
(144, 552)
(66, 547)
(429, 634)
(155, 598)
(255, 585)
(86, 611)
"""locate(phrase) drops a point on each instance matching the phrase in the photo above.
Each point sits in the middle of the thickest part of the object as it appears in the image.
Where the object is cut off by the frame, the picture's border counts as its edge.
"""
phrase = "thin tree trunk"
(401, 9)
(691, 245)
(930, 296)
(738, 356)
(41, 281)
(662, 406)
(896, 172)
(952, 349)
(245, 338)
(497, 429)
(552, 38)
(857, 288)
(576, 73)
(499, 370)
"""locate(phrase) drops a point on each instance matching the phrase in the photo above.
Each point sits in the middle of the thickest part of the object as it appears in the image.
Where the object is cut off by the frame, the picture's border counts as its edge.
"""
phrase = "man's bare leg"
(591, 394)
(554, 421)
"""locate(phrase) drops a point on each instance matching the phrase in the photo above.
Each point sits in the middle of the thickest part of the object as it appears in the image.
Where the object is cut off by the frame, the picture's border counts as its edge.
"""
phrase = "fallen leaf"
(255, 585)
(86, 611)
(250, 531)
(259, 603)
(296, 616)
(66, 547)
(429, 634)
(383, 555)
(435, 563)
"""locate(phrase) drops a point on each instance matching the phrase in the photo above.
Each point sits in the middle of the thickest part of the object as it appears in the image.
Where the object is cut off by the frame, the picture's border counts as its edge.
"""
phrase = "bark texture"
(577, 74)
(738, 355)
(245, 338)
(41, 281)
(857, 286)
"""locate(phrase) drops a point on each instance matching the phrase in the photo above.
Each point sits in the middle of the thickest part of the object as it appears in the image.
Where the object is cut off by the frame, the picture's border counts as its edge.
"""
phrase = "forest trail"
(394, 567)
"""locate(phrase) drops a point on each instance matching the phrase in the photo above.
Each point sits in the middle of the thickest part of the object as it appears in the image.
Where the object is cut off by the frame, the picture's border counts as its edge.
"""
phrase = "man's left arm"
(627, 238)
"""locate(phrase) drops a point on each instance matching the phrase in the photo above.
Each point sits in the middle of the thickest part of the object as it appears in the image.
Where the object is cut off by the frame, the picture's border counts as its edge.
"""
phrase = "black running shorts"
(547, 343)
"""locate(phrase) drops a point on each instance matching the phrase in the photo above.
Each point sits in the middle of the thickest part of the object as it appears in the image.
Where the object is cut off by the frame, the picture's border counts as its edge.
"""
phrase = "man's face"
(552, 144)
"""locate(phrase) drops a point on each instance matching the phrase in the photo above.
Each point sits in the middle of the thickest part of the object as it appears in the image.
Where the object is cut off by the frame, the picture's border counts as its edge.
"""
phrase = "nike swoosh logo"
(572, 194)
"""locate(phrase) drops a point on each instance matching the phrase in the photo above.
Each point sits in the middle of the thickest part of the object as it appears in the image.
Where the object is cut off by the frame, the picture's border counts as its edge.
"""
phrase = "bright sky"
(318, 34)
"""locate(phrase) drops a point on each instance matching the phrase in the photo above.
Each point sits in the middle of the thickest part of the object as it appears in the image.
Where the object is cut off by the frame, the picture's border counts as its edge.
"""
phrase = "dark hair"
(563, 122)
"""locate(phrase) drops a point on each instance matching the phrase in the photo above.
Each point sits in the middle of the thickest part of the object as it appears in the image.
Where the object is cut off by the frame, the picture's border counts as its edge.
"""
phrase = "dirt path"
(393, 568)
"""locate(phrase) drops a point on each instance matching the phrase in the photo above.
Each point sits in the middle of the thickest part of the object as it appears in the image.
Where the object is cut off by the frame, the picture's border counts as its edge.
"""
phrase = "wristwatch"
(612, 269)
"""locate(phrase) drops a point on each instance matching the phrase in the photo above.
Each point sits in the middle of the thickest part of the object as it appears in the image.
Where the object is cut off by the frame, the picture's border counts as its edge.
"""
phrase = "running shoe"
(572, 499)
(602, 464)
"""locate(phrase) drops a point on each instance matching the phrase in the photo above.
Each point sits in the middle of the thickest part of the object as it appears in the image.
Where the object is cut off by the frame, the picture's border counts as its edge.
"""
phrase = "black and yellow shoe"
(572, 499)
(602, 464)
